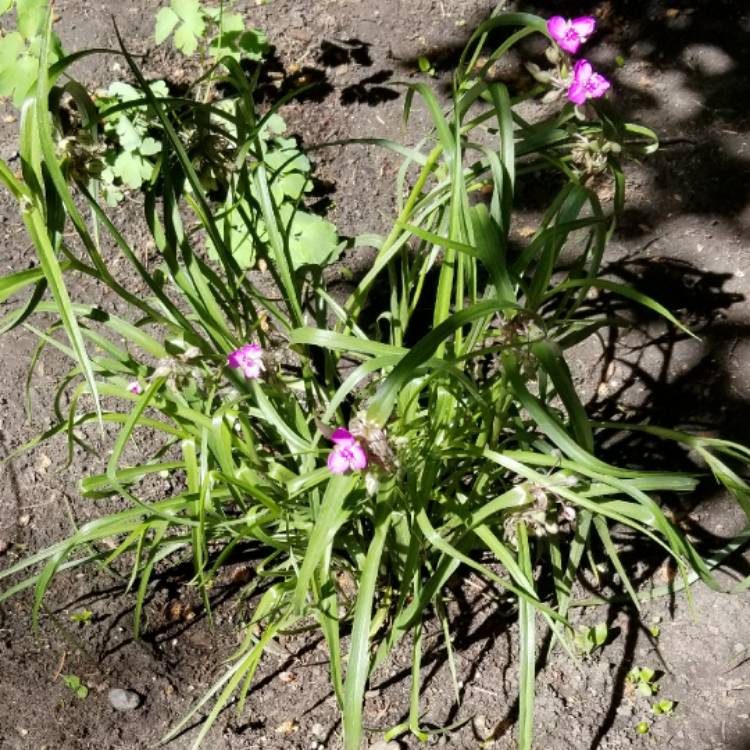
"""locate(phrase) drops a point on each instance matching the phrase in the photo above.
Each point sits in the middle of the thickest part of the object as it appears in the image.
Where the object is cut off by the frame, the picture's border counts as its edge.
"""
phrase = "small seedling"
(644, 680)
(588, 639)
(642, 727)
(425, 66)
(83, 616)
(654, 628)
(663, 708)
(73, 682)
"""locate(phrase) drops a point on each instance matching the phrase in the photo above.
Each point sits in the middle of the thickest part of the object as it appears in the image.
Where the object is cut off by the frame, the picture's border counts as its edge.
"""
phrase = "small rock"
(383, 745)
(24, 520)
(124, 700)
(3, 547)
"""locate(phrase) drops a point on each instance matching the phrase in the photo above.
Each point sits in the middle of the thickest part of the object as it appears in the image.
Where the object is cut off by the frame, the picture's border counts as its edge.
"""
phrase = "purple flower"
(586, 84)
(249, 359)
(347, 453)
(570, 35)
(135, 387)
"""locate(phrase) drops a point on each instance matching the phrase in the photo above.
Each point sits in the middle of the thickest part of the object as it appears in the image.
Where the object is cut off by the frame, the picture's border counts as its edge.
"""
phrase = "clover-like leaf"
(132, 168)
(129, 134)
(313, 241)
(185, 19)
(149, 147)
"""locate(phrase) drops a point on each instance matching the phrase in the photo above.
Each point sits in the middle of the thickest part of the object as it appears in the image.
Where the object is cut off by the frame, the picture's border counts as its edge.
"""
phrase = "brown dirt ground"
(684, 239)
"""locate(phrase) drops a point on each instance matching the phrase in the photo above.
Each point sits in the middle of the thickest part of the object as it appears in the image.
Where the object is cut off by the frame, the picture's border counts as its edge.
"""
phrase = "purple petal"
(359, 457)
(252, 369)
(597, 86)
(577, 93)
(584, 26)
(341, 435)
(570, 43)
(557, 26)
(135, 387)
(254, 351)
(337, 463)
(233, 358)
(582, 72)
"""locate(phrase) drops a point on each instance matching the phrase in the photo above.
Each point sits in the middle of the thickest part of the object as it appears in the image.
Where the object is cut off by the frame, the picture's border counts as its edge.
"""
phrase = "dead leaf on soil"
(667, 573)
(287, 727)
(178, 611)
(43, 464)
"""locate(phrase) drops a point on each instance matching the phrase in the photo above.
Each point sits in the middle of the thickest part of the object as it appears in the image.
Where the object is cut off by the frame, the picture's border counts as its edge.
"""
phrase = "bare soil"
(684, 239)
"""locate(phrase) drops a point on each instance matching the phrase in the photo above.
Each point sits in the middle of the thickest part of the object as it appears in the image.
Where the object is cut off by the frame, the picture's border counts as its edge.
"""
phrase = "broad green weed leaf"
(240, 238)
(313, 241)
(17, 81)
(123, 91)
(31, 14)
(166, 20)
(11, 45)
(274, 125)
(253, 43)
(129, 136)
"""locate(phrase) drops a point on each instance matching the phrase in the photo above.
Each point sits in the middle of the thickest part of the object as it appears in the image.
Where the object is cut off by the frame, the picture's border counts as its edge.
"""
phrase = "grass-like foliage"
(479, 454)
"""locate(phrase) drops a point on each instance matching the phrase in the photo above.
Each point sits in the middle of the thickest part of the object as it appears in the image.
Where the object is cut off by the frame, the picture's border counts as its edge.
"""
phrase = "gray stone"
(124, 700)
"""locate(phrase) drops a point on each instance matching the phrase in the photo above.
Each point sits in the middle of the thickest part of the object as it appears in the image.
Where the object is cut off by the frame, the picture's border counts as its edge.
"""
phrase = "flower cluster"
(570, 35)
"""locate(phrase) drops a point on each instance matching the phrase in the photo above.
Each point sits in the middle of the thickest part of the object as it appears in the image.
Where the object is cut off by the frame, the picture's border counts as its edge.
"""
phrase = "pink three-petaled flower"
(347, 453)
(586, 83)
(571, 34)
(249, 359)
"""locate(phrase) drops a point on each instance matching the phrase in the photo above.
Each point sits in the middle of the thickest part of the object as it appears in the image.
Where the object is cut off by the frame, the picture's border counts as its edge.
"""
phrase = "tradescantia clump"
(300, 436)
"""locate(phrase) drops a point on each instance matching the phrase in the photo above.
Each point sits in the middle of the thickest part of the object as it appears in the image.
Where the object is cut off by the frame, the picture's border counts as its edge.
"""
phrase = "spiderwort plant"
(471, 439)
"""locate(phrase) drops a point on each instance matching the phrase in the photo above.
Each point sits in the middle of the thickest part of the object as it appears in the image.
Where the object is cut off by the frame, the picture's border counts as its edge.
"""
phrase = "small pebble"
(124, 700)
(383, 745)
